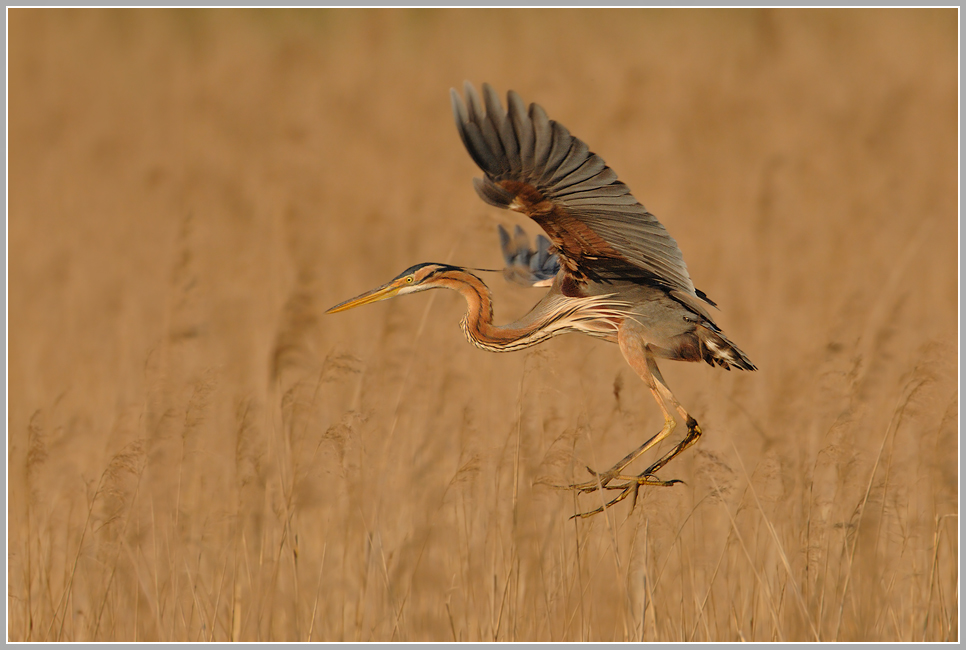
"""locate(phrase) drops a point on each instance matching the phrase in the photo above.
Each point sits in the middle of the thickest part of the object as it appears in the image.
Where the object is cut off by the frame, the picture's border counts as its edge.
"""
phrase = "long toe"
(632, 486)
(620, 497)
(600, 480)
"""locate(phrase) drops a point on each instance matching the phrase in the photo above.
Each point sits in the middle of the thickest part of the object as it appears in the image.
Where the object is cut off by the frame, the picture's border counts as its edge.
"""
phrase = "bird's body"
(621, 276)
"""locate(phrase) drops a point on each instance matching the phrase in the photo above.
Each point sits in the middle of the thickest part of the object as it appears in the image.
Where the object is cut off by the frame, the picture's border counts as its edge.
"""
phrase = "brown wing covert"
(533, 165)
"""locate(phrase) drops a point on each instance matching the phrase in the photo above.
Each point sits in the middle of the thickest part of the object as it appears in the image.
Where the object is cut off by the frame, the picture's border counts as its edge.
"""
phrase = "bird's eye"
(409, 279)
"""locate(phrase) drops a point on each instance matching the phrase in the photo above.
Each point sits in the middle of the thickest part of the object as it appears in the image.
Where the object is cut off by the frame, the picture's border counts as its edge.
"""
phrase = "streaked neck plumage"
(554, 314)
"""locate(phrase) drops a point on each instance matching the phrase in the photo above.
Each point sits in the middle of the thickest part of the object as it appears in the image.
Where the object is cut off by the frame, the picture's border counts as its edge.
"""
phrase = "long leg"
(642, 360)
(694, 431)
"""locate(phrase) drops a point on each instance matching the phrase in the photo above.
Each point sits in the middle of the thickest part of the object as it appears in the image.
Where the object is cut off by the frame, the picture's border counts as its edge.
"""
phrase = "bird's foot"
(630, 488)
(615, 479)
(602, 480)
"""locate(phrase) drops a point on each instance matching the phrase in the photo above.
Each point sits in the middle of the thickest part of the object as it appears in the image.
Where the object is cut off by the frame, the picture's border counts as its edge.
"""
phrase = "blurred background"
(197, 452)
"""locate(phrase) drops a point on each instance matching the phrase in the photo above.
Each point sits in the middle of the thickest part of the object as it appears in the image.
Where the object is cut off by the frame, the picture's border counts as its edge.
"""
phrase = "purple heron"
(621, 276)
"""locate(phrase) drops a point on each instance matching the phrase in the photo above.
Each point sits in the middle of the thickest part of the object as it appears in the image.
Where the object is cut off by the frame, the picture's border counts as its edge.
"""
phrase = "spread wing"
(534, 166)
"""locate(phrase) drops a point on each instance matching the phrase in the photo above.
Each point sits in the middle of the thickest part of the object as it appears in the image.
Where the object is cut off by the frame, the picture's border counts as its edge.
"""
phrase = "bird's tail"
(717, 349)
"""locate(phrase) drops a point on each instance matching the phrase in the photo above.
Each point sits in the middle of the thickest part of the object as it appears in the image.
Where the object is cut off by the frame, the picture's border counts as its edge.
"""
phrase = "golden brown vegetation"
(196, 453)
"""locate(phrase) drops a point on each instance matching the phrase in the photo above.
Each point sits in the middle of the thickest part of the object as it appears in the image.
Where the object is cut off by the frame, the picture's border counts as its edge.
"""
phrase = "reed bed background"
(197, 452)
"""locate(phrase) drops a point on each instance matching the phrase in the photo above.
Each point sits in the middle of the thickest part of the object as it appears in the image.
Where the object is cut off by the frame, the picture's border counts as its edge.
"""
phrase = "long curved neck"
(478, 325)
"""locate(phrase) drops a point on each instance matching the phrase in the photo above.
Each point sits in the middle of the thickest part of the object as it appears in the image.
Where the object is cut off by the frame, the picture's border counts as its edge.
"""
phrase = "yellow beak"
(380, 293)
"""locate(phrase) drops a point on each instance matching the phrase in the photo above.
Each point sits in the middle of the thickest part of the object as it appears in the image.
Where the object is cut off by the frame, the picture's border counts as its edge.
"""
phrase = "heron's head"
(416, 278)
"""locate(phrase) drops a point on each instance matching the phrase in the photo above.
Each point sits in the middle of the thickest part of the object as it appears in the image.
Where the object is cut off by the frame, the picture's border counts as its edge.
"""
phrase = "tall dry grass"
(196, 453)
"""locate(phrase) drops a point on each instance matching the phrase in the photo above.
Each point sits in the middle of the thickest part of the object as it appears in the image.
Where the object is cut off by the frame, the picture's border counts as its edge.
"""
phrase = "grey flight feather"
(524, 265)
(519, 149)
